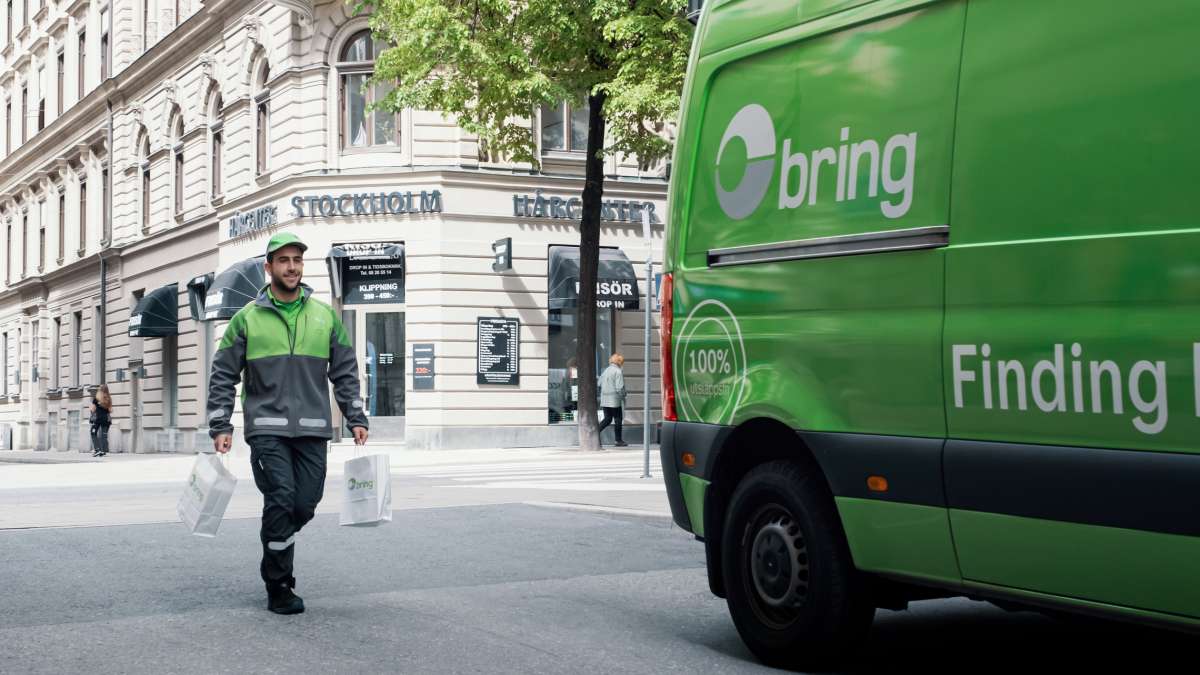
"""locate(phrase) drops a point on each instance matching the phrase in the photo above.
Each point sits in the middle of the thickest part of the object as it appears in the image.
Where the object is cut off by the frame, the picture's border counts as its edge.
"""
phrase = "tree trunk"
(589, 261)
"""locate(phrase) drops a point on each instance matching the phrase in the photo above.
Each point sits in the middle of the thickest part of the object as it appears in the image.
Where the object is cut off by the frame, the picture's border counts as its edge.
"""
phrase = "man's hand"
(222, 443)
(360, 435)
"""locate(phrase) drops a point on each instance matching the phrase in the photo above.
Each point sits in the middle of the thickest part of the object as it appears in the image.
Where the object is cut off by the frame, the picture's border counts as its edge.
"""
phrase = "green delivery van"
(931, 311)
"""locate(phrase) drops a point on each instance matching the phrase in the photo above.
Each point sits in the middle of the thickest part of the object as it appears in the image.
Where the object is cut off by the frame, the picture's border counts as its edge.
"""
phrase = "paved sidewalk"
(128, 489)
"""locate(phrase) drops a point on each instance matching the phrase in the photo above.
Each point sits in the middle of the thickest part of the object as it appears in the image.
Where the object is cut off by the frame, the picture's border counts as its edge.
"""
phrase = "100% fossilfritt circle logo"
(710, 364)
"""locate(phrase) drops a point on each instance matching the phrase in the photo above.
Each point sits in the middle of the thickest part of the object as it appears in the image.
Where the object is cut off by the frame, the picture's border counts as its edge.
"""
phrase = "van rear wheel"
(791, 587)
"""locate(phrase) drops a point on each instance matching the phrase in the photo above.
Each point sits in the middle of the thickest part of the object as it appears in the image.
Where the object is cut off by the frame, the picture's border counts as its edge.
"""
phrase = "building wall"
(163, 67)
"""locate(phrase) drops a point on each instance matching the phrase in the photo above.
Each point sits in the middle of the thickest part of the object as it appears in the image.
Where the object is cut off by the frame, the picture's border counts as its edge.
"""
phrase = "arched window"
(144, 166)
(360, 127)
(262, 117)
(177, 156)
(216, 130)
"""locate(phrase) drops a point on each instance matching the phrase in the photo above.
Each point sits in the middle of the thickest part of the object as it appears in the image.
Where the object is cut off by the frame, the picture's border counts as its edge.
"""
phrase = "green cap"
(284, 239)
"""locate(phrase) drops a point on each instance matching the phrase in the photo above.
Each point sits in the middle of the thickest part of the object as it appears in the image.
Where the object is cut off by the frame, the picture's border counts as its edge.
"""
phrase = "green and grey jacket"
(285, 393)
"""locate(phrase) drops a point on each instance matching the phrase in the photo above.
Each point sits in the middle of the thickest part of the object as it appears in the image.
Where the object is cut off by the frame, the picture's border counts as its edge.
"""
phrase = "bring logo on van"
(754, 126)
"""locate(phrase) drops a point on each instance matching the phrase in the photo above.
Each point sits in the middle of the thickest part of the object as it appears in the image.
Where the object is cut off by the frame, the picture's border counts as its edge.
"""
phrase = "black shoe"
(620, 444)
(282, 600)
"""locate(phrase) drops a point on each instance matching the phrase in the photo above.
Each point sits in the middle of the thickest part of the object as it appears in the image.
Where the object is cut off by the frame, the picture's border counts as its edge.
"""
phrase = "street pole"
(646, 387)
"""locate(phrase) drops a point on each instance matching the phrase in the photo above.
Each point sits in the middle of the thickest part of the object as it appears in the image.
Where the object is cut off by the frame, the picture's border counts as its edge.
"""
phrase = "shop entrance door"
(379, 343)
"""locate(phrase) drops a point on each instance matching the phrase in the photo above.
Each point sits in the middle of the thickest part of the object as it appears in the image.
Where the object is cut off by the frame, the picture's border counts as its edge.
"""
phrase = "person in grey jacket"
(612, 396)
(287, 344)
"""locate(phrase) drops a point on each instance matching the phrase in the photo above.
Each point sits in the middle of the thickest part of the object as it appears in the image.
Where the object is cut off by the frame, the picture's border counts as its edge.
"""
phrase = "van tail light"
(665, 325)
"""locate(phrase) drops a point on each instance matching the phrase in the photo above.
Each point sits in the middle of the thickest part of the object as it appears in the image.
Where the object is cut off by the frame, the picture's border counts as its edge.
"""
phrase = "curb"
(603, 510)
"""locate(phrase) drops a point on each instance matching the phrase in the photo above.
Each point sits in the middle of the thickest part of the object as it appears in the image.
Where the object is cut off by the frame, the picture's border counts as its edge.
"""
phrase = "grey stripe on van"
(310, 422)
(827, 247)
(270, 421)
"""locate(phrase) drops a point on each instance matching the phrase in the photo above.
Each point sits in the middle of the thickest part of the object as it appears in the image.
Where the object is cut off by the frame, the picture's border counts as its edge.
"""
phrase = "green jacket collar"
(264, 299)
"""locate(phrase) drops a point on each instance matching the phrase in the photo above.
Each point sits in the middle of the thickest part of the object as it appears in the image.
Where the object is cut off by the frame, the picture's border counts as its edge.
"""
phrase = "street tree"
(489, 64)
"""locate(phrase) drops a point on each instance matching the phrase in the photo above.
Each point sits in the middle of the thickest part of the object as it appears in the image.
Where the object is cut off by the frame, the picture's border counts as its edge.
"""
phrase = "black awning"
(616, 283)
(197, 292)
(156, 314)
(234, 288)
(381, 263)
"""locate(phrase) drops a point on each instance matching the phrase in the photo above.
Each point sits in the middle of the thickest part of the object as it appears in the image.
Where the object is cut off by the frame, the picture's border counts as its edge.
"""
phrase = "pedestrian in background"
(101, 419)
(612, 396)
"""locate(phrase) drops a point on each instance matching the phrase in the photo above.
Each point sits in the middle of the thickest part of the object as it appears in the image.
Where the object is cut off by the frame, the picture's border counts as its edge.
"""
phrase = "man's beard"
(282, 285)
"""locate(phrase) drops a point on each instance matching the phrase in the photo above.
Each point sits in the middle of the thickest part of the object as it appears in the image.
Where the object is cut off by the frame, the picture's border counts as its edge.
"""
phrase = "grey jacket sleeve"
(227, 368)
(619, 385)
(343, 373)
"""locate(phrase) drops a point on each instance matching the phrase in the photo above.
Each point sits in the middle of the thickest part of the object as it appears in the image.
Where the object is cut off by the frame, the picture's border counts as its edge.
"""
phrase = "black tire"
(791, 586)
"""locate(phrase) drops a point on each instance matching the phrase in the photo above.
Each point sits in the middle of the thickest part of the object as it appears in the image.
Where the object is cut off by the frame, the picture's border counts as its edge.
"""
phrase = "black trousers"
(99, 438)
(290, 473)
(612, 416)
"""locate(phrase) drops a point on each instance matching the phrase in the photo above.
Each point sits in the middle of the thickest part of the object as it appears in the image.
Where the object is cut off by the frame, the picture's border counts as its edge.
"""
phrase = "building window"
(563, 369)
(262, 125)
(217, 140)
(20, 357)
(83, 209)
(105, 201)
(76, 348)
(104, 55)
(97, 337)
(41, 111)
(56, 355)
(4, 362)
(7, 124)
(144, 164)
(61, 88)
(42, 218)
(8, 28)
(81, 68)
(8, 248)
(360, 127)
(170, 381)
(34, 355)
(145, 25)
(565, 127)
(24, 113)
(177, 149)
(62, 225)
(24, 244)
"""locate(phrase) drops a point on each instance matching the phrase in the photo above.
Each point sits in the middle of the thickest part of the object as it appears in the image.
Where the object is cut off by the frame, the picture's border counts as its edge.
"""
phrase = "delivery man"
(287, 344)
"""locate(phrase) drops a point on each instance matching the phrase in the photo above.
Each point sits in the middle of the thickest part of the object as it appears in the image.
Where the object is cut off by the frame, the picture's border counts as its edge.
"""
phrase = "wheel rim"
(777, 566)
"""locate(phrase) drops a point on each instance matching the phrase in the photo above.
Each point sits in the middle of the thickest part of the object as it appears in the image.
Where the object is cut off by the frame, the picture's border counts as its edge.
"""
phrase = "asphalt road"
(498, 588)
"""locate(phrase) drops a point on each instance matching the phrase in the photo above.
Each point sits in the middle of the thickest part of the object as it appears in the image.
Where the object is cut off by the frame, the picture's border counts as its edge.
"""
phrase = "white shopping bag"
(207, 493)
(366, 491)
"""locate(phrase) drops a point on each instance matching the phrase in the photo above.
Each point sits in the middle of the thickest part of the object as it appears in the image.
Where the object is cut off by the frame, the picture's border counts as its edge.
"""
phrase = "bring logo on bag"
(193, 484)
(361, 484)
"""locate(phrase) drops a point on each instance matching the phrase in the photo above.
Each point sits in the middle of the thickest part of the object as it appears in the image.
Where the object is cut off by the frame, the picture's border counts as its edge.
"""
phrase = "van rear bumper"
(703, 441)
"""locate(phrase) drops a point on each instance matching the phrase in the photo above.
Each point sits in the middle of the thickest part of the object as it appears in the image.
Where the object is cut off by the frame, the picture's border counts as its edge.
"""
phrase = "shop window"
(564, 372)
(565, 127)
(56, 355)
(170, 380)
(76, 349)
(361, 127)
